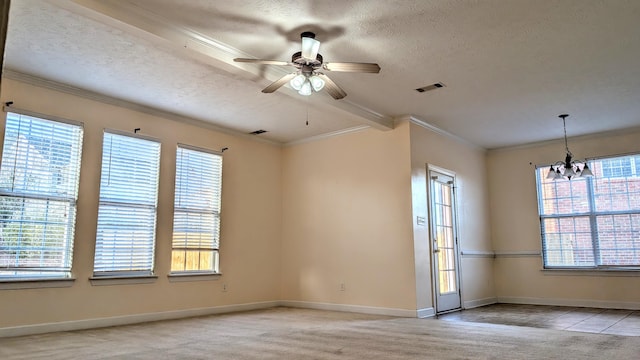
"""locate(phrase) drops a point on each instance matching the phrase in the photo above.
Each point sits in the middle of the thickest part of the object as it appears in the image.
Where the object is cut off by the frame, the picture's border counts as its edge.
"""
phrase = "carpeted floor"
(286, 333)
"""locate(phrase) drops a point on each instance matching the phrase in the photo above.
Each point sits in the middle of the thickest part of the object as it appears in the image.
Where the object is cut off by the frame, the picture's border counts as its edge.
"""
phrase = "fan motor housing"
(297, 58)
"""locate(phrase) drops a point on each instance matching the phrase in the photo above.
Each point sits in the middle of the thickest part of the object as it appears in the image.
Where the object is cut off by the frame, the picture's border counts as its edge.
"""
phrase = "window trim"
(36, 283)
(129, 134)
(19, 111)
(197, 148)
(122, 279)
(184, 276)
(591, 271)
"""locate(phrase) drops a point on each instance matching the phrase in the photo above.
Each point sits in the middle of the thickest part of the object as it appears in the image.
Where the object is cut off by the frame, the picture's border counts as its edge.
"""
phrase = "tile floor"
(605, 321)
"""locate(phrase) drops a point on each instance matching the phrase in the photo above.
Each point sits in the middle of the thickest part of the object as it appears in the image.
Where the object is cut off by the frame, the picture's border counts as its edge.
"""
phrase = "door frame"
(434, 274)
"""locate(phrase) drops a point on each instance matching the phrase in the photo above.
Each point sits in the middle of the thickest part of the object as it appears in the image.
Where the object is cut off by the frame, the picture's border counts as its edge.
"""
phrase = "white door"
(444, 242)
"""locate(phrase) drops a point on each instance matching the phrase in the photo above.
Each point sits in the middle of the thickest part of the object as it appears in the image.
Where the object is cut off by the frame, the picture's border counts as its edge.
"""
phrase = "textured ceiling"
(509, 66)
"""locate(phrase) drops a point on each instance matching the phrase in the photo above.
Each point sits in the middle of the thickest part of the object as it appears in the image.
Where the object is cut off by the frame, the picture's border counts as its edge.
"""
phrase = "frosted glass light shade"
(568, 172)
(586, 172)
(297, 82)
(316, 82)
(305, 89)
(310, 48)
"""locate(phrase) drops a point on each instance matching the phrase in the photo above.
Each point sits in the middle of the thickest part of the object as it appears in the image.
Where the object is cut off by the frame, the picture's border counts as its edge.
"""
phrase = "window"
(621, 166)
(38, 192)
(125, 238)
(592, 222)
(196, 218)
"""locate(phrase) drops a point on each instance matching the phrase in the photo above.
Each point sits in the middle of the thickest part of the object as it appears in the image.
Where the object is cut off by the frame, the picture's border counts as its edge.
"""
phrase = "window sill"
(35, 283)
(122, 280)
(193, 276)
(621, 272)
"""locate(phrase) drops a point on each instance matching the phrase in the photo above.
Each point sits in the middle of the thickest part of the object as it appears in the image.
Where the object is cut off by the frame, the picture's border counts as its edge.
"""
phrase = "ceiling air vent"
(430, 87)
(258, 132)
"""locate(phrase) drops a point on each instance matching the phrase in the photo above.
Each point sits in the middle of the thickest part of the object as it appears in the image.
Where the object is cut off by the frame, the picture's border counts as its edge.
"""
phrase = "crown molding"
(328, 135)
(626, 131)
(426, 125)
(87, 94)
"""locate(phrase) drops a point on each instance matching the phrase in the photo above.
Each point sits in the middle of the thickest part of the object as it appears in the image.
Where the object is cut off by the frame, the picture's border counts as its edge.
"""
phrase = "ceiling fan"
(308, 77)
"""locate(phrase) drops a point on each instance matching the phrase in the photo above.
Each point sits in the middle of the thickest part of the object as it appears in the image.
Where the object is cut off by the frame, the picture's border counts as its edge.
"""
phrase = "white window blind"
(38, 192)
(196, 219)
(125, 238)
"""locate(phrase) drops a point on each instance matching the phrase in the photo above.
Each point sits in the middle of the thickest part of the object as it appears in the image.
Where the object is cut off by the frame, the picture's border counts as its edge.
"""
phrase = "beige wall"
(347, 219)
(468, 164)
(349, 208)
(251, 220)
(299, 221)
(296, 224)
(516, 228)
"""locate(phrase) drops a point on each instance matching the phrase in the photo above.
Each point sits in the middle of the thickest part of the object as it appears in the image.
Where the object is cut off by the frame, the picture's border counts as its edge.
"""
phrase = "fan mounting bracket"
(298, 60)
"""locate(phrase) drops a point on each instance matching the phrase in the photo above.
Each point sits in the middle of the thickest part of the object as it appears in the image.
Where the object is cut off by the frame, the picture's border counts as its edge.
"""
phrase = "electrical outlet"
(224, 288)
(343, 287)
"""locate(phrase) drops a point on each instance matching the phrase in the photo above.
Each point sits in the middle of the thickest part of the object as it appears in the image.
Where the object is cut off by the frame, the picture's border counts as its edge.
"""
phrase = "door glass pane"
(443, 224)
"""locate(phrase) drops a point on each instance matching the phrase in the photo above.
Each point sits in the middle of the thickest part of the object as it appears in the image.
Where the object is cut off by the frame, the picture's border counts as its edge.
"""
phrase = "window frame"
(115, 274)
(592, 214)
(215, 246)
(38, 276)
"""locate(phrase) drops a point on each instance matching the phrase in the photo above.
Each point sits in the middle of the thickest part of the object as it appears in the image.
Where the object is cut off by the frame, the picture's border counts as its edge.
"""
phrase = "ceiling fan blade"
(332, 88)
(261, 61)
(352, 67)
(278, 83)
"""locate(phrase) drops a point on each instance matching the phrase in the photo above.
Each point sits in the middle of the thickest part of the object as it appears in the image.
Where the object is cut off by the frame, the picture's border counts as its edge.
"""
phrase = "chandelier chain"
(564, 126)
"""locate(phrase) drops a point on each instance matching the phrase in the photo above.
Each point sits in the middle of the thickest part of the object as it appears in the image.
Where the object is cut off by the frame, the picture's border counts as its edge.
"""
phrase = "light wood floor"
(602, 321)
(294, 334)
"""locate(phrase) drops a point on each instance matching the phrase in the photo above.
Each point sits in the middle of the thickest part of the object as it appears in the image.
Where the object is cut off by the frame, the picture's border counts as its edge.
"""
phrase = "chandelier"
(568, 168)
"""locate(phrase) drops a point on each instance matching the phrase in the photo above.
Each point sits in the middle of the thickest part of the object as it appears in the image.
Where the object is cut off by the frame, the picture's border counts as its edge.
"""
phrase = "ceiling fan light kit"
(308, 78)
(304, 84)
(568, 168)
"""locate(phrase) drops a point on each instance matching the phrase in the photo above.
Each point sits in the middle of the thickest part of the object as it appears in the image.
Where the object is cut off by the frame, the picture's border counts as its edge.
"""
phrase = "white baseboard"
(178, 314)
(470, 304)
(129, 319)
(350, 308)
(426, 312)
(571, 302)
